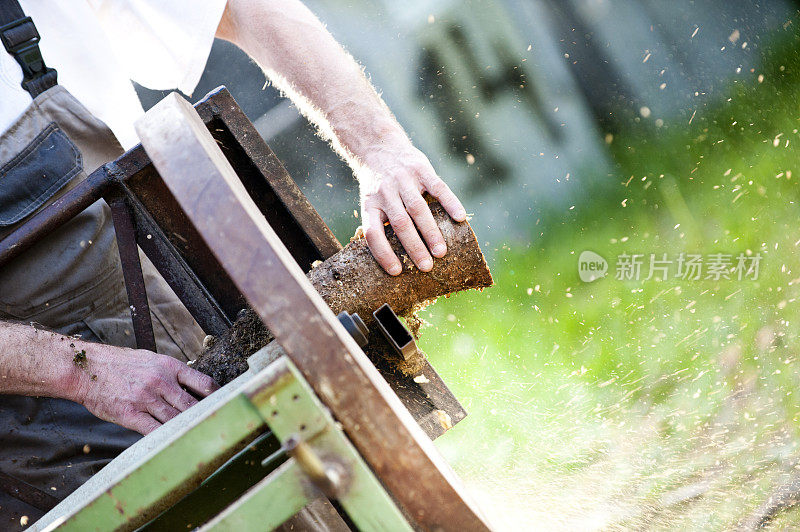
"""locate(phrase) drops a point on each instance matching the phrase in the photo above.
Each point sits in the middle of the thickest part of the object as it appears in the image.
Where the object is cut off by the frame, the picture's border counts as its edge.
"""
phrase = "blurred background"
(616, 126)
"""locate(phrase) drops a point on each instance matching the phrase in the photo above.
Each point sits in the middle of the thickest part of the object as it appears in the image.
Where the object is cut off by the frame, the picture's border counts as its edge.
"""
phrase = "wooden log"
(352, 280)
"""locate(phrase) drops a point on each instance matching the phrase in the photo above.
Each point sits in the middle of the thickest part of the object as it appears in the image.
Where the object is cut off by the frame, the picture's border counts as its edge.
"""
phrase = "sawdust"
(225, 358)
(79, 359)
(444, 419)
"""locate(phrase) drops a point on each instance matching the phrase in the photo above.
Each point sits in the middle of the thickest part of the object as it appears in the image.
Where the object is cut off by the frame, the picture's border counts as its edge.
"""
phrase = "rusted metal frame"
(383, 431)
(133, 170)
(286, 208)
(155, 198)
(267, 181)
(125, 229)
(110, 182)
(173, 268)
(209, 289)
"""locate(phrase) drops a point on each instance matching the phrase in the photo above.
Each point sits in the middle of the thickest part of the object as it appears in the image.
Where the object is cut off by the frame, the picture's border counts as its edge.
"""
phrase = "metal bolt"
(328, 477)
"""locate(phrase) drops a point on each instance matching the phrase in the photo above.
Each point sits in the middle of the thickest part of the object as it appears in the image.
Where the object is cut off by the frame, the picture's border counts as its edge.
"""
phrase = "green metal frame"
(277, 399)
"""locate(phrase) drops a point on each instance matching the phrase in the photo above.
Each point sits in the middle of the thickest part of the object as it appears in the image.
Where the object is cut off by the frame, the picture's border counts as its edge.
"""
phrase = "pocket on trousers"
(36, 174)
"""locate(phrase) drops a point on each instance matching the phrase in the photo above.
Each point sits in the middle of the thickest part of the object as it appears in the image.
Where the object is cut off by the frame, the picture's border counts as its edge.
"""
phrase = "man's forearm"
(302, 59)
(305, 61)
(38, 362)
(135, 388)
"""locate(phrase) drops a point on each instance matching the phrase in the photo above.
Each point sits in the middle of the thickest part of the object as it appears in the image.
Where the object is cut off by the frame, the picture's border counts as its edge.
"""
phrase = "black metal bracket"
(354, 325)
(395, 332)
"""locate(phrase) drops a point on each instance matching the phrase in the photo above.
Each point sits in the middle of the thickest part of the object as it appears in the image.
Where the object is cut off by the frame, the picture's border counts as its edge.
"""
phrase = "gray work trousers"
(70, 282)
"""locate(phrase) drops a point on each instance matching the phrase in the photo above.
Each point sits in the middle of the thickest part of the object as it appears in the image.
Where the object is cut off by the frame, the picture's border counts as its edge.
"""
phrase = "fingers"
(143, 423)
(397, 196)
(179, 398)
(162, 411)
(406, 231)
(420, 212)
(378, 244)
(199, 383)
(439, 190)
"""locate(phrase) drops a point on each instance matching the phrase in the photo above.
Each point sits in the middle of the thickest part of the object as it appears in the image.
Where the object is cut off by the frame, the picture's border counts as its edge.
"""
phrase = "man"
(55, 385)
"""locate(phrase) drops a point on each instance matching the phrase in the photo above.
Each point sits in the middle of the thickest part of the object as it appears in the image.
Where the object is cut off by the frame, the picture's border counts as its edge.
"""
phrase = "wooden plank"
(383, 431)
(431, 403)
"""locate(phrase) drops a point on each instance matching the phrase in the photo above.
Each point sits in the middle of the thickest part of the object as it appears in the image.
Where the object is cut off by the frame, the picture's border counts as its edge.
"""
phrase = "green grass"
(668, 404)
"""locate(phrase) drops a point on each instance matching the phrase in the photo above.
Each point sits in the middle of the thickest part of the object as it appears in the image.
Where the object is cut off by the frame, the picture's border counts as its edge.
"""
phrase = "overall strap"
(21, 40)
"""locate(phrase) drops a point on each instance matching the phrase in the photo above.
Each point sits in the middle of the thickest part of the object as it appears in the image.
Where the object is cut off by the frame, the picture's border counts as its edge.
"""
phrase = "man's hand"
(392, 191)
(134, 388)
(138, 389)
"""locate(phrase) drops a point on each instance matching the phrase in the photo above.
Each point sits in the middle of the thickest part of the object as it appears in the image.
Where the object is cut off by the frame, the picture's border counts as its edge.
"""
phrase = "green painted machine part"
(321, 459)
(310, 458)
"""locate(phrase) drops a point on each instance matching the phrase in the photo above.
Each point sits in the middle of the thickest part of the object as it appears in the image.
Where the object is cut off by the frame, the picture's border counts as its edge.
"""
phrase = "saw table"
(315, 439)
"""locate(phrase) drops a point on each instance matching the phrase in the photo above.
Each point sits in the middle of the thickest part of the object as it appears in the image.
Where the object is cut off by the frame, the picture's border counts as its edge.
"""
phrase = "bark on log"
(352, 280)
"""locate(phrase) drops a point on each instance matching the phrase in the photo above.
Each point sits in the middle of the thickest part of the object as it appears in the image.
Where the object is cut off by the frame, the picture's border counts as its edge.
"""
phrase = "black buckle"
(31, 61)
(16, 48)
(37, 77)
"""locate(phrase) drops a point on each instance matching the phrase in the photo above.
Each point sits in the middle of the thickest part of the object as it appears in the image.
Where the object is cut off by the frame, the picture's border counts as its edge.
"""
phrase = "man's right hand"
(135, 388)
(138, 389)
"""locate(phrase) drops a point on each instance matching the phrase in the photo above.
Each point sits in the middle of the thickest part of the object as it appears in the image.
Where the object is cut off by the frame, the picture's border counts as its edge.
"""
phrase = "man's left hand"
(393, 193)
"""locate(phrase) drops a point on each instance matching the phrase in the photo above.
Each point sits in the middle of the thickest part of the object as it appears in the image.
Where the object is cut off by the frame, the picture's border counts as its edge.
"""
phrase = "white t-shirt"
(98, 46)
